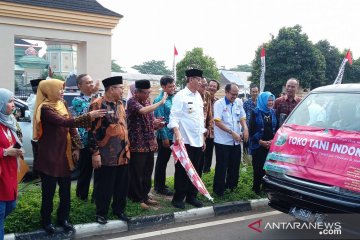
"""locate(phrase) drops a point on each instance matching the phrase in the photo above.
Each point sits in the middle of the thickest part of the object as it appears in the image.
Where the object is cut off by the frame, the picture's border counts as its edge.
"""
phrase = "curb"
(116, 226)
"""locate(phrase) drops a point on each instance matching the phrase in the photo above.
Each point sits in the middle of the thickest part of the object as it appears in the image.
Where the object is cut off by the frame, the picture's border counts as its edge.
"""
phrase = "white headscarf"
(6, 119)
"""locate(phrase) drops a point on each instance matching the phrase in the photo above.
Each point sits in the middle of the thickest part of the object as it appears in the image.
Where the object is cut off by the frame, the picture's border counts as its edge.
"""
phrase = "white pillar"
(7, 60)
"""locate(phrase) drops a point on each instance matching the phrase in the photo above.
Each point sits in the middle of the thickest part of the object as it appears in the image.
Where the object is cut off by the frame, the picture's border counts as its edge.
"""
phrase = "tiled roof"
(87, 6)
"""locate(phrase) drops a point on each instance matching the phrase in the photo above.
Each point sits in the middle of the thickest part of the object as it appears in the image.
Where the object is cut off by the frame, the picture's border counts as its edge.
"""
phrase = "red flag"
(175, 51)
(348, 57)
(262, 52)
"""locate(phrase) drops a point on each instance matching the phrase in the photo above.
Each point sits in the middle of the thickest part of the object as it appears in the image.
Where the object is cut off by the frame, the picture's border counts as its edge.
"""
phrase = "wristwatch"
(230, 131)
(5, 153)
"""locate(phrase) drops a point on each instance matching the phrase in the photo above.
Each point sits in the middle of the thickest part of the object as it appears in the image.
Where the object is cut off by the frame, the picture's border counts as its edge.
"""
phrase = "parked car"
(313, 166)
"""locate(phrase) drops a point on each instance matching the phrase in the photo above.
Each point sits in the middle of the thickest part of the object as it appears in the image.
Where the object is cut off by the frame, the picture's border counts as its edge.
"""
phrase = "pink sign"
(326, 156)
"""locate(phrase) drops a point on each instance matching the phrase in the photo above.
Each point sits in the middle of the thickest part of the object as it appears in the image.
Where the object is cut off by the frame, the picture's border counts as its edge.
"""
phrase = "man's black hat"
(35, 82)
(194, 73)
(142, 84)
(107, 82)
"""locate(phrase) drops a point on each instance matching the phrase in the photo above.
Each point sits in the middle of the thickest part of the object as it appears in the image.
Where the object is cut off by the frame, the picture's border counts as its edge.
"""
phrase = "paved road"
(231, 227)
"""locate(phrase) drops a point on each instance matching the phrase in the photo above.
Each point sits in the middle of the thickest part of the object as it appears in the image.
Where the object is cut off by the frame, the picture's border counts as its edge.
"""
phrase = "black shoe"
(122, 216)
(66, 225)
(178, 204)
(101, 219)
(194, 202)
(49, 228)
(164, 191)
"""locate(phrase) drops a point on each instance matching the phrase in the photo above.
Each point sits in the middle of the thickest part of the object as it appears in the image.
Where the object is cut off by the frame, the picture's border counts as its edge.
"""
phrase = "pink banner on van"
(326, 156)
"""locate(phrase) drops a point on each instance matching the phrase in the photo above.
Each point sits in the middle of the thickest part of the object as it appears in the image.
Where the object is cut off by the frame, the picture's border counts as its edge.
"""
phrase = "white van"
(313, 165)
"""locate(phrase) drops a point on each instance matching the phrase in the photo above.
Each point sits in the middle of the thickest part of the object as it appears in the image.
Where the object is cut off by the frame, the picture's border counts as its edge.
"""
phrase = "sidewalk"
(116, 226)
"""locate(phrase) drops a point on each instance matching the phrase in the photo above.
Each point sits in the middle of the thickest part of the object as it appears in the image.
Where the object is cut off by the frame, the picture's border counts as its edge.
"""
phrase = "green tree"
(153, 67)
(196, 59)
(242, 68)
(116, 67)
(333, 60)
(289, 55)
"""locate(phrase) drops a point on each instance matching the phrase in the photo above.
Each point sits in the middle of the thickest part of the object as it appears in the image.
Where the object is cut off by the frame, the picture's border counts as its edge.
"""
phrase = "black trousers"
(86, 170)
(111, 182)
(227, 167)
(160, 166)
(183, 186)
(258, 161)
(141, 167)
(48, 187)
(208, 154)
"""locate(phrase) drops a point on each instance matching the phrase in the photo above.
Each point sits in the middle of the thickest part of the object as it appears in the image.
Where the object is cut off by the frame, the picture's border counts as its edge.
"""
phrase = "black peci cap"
(194, 73)
(107, 82)
(142, 84)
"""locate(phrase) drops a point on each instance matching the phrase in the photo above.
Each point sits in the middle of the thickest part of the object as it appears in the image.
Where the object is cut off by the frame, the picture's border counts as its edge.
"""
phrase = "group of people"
(117, 143)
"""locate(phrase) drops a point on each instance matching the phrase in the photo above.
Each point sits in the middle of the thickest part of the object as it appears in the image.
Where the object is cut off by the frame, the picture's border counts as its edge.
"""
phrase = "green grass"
(26, 216)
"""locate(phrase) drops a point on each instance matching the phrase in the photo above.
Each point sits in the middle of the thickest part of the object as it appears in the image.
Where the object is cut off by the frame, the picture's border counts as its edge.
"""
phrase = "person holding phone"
(9, 141)
(142, 124)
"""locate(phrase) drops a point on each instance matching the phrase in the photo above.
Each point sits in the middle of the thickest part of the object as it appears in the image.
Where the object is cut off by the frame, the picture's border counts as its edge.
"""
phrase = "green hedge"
(26, 216)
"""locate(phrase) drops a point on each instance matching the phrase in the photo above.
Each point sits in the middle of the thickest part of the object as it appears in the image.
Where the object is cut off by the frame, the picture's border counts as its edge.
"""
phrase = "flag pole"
(263, 69)
(174, 62)
(340, 75)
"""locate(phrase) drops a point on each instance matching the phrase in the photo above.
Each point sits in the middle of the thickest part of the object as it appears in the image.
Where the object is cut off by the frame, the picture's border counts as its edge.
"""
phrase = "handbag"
(22, 170)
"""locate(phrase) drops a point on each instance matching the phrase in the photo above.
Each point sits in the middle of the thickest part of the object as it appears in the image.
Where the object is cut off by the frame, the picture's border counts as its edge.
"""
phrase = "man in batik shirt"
(109, 145)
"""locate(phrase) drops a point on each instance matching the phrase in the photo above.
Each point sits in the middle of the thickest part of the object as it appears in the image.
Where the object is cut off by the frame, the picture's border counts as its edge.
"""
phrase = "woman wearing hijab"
(263, 125)
(8, 157)
(58, 148)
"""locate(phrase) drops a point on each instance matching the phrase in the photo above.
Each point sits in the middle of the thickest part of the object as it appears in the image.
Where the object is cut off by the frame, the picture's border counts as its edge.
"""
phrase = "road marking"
(196, 226)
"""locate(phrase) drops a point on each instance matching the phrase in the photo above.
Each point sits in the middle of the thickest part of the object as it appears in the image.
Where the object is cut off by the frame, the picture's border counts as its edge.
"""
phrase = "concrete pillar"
(7, 60)
(99, 57)
(82, 58)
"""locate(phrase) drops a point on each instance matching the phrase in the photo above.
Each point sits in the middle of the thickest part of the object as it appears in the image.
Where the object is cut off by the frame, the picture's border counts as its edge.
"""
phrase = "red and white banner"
(262, 76)
(340, 75)
(180, 154)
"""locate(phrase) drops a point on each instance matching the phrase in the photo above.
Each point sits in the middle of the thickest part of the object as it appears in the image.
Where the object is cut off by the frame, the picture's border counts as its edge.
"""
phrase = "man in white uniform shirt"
(229, 118)
(187, 122)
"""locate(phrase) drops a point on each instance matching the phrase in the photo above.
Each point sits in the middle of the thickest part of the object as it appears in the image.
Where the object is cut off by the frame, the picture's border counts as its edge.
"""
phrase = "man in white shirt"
(187, 122)
(230, 118)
